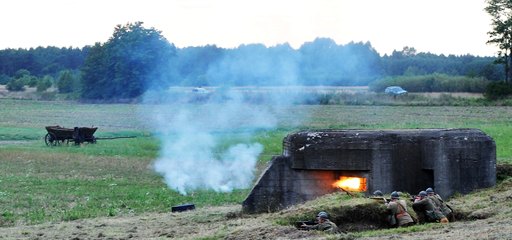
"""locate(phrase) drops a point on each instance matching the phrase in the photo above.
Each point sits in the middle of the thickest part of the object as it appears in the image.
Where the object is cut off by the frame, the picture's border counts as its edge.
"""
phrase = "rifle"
(299, 224)
(448, 206)
(349, 193)
(383, 199)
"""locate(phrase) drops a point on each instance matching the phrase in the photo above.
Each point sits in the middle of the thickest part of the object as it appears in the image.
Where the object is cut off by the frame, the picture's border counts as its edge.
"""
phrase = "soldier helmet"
(394, 195)
(323, 215)
(378, 193)
(422, 194)
(429, 190)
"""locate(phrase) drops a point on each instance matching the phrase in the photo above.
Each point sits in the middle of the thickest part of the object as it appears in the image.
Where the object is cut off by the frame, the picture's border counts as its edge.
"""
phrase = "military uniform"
(443, 207)
(398, 209)
(427, 210)
(326, 226)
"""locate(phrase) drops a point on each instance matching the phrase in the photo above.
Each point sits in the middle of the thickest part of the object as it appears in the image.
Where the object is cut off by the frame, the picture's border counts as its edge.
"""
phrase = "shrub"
(66, 82)
(498, 90)
(32, 81)
(16, 85)
(44, 83)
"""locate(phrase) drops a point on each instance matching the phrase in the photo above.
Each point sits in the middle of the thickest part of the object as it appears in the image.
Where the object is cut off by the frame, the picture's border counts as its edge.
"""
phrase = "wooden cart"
(58, 135)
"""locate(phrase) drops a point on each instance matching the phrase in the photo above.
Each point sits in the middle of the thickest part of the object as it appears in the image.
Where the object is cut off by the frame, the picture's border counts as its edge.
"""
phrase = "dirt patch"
(199, 223)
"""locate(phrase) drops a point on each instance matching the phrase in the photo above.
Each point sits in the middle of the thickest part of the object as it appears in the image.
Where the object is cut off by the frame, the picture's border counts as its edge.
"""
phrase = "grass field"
(115, 177)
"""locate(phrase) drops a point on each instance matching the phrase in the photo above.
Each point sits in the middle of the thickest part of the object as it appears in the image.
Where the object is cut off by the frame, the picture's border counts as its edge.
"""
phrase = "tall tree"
(501, 33)
(94, 73)
(131, 61)
(194, 62)
(65, 84)
(324, 62)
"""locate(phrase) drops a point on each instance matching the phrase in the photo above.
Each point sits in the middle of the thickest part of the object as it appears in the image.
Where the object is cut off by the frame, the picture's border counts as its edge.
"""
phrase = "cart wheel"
(49, 139)
(93, 140)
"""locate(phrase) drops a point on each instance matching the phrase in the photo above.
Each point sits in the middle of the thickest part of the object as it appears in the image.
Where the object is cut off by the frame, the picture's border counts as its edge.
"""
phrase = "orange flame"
(351, 184)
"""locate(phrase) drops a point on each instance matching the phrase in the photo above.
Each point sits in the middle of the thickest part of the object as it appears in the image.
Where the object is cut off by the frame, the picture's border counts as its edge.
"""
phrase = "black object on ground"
(182, 208)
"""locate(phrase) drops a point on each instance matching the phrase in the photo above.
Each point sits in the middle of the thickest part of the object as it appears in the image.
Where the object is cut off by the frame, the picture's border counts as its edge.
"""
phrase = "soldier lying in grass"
(324, 224)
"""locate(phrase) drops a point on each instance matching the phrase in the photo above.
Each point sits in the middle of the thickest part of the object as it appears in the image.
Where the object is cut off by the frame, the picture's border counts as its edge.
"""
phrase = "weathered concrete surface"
(450, 160)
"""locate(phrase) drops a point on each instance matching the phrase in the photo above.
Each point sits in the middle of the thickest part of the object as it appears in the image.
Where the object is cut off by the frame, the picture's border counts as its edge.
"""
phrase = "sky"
(437, 26)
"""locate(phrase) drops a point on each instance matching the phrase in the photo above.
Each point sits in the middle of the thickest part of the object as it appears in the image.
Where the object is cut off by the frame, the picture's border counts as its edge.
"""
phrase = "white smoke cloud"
(191, 156)
(188, 171)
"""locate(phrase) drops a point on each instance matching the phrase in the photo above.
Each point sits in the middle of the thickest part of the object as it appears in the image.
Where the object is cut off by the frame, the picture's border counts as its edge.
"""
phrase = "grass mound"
(350, 213)
(485, 203)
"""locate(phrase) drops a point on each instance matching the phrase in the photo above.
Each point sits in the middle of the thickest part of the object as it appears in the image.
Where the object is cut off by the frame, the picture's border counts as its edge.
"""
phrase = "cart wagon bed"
(57, 135)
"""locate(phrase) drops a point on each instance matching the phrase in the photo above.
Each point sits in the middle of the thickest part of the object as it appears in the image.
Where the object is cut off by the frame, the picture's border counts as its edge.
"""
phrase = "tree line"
(136, 59)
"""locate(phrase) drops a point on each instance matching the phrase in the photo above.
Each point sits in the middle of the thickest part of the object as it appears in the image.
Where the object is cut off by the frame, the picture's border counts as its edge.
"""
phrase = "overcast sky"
(436, 26)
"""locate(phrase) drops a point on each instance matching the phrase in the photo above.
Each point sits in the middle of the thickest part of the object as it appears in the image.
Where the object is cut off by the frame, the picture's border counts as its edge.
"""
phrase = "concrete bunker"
(450, 160)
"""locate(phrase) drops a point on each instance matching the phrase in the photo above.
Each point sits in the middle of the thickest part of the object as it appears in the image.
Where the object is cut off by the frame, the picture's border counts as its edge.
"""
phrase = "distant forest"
(137, 59)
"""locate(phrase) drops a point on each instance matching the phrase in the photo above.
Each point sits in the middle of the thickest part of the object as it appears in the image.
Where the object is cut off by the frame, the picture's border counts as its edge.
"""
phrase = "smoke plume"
(206, 137)
(192, 155)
